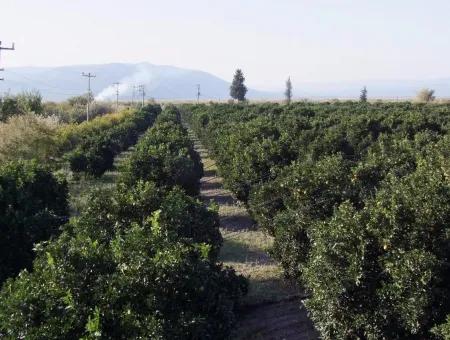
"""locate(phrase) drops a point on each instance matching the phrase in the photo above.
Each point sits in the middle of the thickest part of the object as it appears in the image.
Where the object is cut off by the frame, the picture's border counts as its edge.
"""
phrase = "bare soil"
(273, 307)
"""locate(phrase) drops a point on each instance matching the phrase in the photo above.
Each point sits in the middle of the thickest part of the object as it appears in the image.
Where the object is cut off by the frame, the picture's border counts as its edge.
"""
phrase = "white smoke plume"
(143, 75)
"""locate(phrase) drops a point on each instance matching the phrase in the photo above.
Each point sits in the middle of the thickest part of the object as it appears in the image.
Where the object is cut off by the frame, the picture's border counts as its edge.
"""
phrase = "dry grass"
(247, 252)
(28, 136)
(245, 248)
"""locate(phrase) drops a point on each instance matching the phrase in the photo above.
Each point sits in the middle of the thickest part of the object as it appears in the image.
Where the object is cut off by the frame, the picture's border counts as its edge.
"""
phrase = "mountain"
(169, 82)
(161, 82)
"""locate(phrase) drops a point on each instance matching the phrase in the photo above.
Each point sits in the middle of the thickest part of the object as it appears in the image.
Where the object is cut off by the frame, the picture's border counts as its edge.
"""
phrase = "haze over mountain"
(169, 82)
(161, 82)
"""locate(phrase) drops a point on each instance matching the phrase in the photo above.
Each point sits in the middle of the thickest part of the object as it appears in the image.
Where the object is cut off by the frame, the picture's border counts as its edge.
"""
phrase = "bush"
(383, 272)
(443, 330)
(28, 137)
(33, 204)
(121, 271)
(356, 197)
(136, 286)
(73, 110)
(30, 102)
(165, 155)
(9, 108)
(426, 96)
(25, 102)
(95, 153)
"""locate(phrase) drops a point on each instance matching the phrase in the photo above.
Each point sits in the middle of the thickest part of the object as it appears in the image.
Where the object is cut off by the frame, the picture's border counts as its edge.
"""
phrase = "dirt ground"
(273, 308)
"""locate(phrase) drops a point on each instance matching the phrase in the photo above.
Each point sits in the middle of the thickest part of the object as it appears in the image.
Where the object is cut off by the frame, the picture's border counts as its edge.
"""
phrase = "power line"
(133, 94)
(12, 48)
(89, 95)
(141, 89)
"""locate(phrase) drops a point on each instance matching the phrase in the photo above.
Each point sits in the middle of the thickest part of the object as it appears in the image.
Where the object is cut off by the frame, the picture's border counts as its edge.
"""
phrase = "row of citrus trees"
(357, 197)
(33, 202)
(30, 136)
(139, 262)
(93, 146)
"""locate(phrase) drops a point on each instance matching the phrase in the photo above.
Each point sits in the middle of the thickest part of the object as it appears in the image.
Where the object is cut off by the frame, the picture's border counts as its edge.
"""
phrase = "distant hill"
(161, 82)
(169, 82)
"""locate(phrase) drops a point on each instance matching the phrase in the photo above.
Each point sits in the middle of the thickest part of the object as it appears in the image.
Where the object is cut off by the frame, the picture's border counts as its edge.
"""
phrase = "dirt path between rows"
(272, 309)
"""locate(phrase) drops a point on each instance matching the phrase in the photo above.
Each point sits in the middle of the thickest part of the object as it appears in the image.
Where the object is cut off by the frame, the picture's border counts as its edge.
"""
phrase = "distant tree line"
(238, 91)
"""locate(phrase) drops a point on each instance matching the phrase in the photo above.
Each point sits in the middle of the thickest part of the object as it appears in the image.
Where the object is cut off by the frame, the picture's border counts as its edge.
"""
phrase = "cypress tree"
(288, 92)
(363, 96)
(237, 89)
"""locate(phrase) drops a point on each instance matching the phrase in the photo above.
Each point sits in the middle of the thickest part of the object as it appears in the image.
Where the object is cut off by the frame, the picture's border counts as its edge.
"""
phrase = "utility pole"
(133, 95)
(117, 96)
(198, 93)
(89, 76)
(142, 91)
(5, 48)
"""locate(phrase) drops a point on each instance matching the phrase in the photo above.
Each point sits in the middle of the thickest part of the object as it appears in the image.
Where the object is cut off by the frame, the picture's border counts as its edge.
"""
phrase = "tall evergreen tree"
(363, 95)
(288, 92)
(237, 89)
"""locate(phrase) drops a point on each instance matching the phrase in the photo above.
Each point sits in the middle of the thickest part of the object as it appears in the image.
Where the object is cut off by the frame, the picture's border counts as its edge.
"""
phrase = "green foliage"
(138, 262)
(363, 95)
(382, 272)
(33, 204)
(134, 285)
(95, 153)
(9, 107)
(73, 110)
(165, 154)
(288, 92)
(443, 330)
(25, 102)
(28, 137)
(238, 90)
(357, 198)
(30, 102)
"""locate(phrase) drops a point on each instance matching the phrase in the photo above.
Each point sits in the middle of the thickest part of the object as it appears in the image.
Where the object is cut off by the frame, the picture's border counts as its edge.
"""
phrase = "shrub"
(356, 197)
(30, 101)
(95, 153)
(443, 330)
(425, 95)
(25, 102)
(137, 286)
(165, 155)
(383, 272)
(9, 108)
(116, 273)
(33, 204)
(28, 137)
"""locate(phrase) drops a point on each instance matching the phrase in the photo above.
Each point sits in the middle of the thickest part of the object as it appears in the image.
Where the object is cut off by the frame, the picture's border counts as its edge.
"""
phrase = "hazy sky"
(310, 40)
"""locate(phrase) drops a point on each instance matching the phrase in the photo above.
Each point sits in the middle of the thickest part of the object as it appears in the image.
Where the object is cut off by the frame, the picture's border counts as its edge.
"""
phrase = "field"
(214, 221)
(356, 197)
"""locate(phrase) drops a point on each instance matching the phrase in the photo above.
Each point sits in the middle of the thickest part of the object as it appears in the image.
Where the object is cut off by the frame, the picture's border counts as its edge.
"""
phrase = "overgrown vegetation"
(28, 136)
(26, 102)
(73, 110)
(357, 197)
